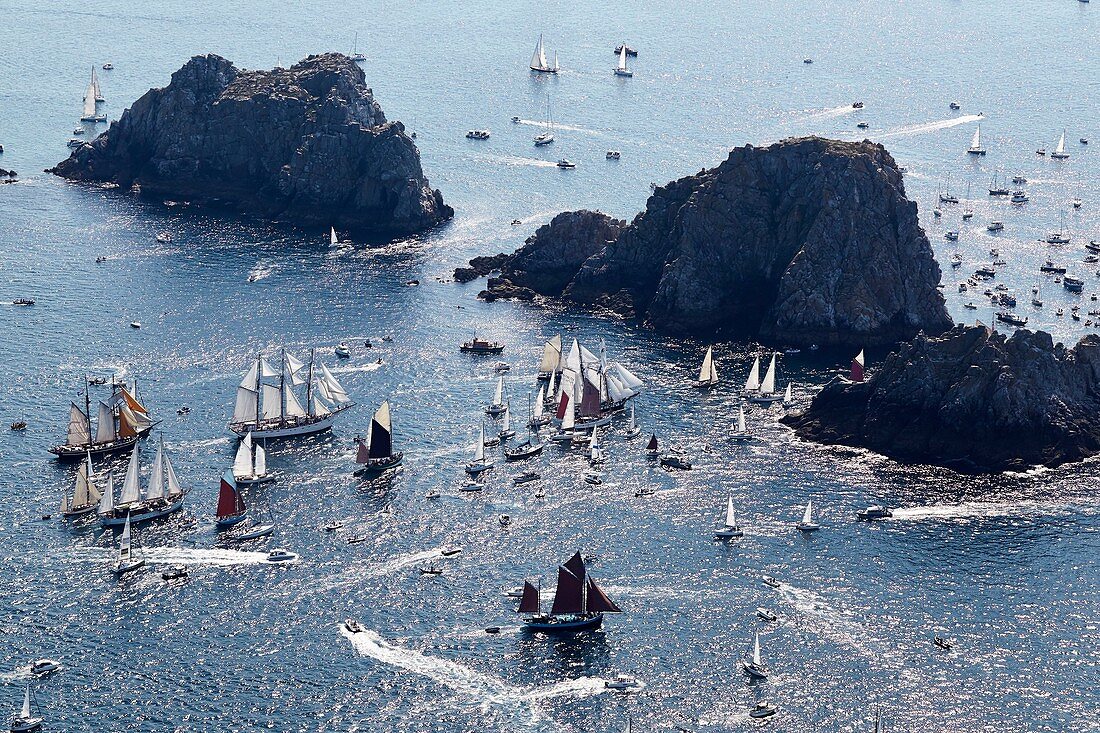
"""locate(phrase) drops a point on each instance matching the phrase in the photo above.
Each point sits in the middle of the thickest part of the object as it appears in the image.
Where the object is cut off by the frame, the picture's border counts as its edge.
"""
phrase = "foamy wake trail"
(355, 573)
(260, 270)
(361, 368)
(930, 126)
(520, 160)
(559, 126)
(401, 562)
(482, 690)
(978, 509)
(828, 114)
(175, 556)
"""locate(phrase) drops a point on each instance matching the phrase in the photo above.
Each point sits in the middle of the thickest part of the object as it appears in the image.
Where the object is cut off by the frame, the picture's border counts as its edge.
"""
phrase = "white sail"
(124, 544)
(622, 59)
(131, 490)
(707, 367)
(259, 467)
(479, 452)
(89, 103)
(550, 388)
(105, 424)
(756, 649)
(625, 376)
(768, 385)
(293, 368)
(551, 355)
(156, 477)
(1061, 144)
(787, 397)
(633, 422)
(251, 378)
(731, 515)
(80, 432)
(332, 240)
(569, 419)
(540, 408)
(266, 370)
(507, 424)
(25, 713)
(97, 91)
(752, 384)
(741, 419)
(272, 402)
(319, 407)
(293, 406)
(556, 67)
(174, 488)
(334, 387)
(107, 501)
(498, 396)
(242, 462)
(573, 358)
(616, 392)
(976, 141)
(86, 492)
(807, 515)
(244, 408)
(538, 58)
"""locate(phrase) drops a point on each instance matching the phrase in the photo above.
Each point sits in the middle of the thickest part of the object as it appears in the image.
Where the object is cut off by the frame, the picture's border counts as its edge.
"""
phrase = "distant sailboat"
(729, 528)
(741, 434)
(121, 420)
(708, 372)
(633, 430)
(620, 68)
(497, 406)
(755, 667)
(24, 722)
(752, 384)
(547, 135)
(479, 463)
(1059, 152)
(85, 496)
(579, 603)
(551, 359)
(355, 55)
(333, 240)
(163, 495)
(231, 508)
(127, 560)
(976, 142)
(96, 88)
(788, 397)
(767, 393)
(807, 524)
(89, 113)
(651, 449)
(538, 60)
(856, 373)
(376, 454)
(250, 463)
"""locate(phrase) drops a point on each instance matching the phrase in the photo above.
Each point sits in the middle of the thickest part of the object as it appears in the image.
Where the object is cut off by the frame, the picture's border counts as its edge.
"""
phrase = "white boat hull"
(139, 513)
(286, 428)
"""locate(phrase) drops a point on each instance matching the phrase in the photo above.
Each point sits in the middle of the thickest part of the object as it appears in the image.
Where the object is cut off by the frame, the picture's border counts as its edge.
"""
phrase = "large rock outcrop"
(971, 399)
(306, 144)
(807, 241)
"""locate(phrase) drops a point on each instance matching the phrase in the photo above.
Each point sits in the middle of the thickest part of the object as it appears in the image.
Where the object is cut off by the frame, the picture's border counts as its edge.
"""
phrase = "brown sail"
(597, 600)
(529, 603)
(575, 565)
(569, 596)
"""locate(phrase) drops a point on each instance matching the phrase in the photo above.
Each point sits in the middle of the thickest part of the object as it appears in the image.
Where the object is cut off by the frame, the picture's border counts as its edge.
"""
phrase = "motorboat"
(951, 235)
(954, 105)
(1019, 197)
(942, 643)
(769, 581)
(1073, 284)
(478, 134)
(504, 520)
(629, 51)
(1019, 180)
(593, 477)
(995, 226)
(342, 350)
(135, 324)
(357, 539)
(765, 615)
(526, 478)
(492, 629)
(432, 494)
(43, 667)
(970, 306)
(281, 555)
(333, 526)
(675, 460)
(23, 301)
(645, 491)
(1011, 319)
(613, 155)
(1050, 267)
(176, 572)
(481, 346)
(108, 66)
(450, 551)
(74, 143)
(353, 626)
(515, 120)
(875, 511)
(956, 259)
(857, 105)
(1041, 151)
(471, 486)
(761, 710)
(863, 125)
(566, 163)
(622, 682)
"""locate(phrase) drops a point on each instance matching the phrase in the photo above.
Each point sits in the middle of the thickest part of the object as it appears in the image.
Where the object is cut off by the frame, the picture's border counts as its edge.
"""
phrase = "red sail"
(857, 368)
(590, 400)
(363, 454)
(563, 405)
(575, 565)
(230, 503)
(569, 597)
(597, 600)
(529, 603)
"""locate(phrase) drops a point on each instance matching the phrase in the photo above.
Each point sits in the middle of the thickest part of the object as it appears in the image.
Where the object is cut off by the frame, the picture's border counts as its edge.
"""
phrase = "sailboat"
(596, 454)
(741, 434)
(567, 428)
(968, 211)
(856, 373)
(976, 142)
(231, 508)
(527, 449)
(633, 430)
(333, 240)
(551, 359)
(752, 384)
(506, 431)
(729, 528)
(85, 496)
(579, 604)
(497, 406)
(652, 450)
(538, 60)
(620, 68)
(250, 464)
(767, 393)
(127, 560)
(546, 136)
(163, 496)
(120, 422)
(788, 397)
(807, 524)
(479, 463)
(23, 722)
(755, 668)
(355, 54)
(89, 113)
(268, 407)
(708, 372)
(376, 454)
(1059, 152)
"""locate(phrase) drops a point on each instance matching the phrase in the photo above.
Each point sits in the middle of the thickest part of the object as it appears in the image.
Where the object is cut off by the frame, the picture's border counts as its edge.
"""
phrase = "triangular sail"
(808, 514)
(479, 452)
(976, 141)
(551, 355)
(787, 396)
(569, 416)
(138, 414)
(540, 407)
(731, 515)
(707, 366)
(319, 407)
(529, 602)
(105, 424)
(80, 431)
(596, 601)
(268, 371)
(768, 385)
(131, 491)
(124, 543)
(259, 467)
(752, 384)
(756, 649)
(652, 444)
(26, 711)
(332, 236)
(507, 424)
(741, 419)
(174, 488)
(156, 477)
(569, 594)
(380, 437)
(857, 371)
(622, 58)
(242, 462)
(498, 396)
(633, 421)
(107, 501)
(334, 388)
(293, 406)
(89, 103)
(538, 58)
(1061, 144)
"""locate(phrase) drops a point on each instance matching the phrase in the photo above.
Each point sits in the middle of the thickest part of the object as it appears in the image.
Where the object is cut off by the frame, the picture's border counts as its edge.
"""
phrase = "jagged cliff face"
(972, 400)
(307, 144)
(807, 241)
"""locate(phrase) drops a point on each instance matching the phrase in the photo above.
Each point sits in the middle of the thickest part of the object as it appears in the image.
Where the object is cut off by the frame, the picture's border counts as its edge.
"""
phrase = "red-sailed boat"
(579, 604)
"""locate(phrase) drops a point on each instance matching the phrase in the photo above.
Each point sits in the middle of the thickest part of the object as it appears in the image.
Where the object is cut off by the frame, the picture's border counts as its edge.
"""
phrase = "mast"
(259, 390)
(309, 386)
(88, 409)
(282, 389)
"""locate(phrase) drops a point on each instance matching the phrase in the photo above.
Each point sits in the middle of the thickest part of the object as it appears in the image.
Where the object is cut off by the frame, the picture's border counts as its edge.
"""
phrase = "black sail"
(381, 441)
(529, 603)
(597, 600)
(569, 596)
(575, 565)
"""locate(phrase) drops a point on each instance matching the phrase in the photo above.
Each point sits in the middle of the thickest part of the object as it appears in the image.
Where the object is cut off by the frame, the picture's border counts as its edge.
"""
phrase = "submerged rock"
(807, 241)
(971, 399)
(307, 144)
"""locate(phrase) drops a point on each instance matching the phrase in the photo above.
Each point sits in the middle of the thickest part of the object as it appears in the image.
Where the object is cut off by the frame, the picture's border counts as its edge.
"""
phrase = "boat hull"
(78, 452)
(253, 481)
(556, 625)
(129, 567)
(296, 428)
(139, 513)
(82, 511)
(477, 468)
(525, 453)
(375, 466)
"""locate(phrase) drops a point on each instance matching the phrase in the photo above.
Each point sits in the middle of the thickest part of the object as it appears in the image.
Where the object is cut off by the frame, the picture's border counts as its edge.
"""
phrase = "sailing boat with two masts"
(250, 464)
(85, 496)
(120, 422)
(579, 603)
(268, 406)
(538, 60)
(708, 372)
(376, 454)
(767, 393)
(163, 496)
(127, 561)
(89, 113)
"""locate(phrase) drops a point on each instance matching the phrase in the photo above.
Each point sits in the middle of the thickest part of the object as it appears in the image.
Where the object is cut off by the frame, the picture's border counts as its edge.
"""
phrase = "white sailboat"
(250, 463)
(127, 560)
(163, 496)
(479, 463)
(98, 92)
(497, 406)
(506, 431)
(89, 113)
(547, 135)
(333, 240)
(86, 495)
(807, 524)
(708, 372)
(24, 722)
(788, 397)
(767, 393)
(755, 667)
(620, 68)
(551, 358)
(729, 528)
(633, 429)
(596, 454)
(538, 60)
(355, 53)
(752, 384)
(976, 142)
(741, 434)
(1059, 152)
(267, 404)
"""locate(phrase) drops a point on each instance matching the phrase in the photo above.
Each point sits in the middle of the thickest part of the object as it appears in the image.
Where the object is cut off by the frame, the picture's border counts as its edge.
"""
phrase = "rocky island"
(807, 241)
(971, 399)
(308, 144)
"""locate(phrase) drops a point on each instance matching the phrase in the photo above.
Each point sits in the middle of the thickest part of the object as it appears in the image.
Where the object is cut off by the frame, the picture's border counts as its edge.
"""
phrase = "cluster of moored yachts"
(582, 393)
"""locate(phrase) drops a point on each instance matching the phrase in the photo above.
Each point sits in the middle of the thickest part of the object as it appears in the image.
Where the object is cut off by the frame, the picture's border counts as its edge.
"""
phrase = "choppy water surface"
(1005, 566)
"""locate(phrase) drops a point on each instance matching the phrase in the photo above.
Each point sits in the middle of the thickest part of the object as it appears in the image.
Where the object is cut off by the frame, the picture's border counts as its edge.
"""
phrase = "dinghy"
(754, 667)
(767, 394)
(268, 406)
(250, 463)
(479, 464)
(807, 524)
(579, 603)
(708, 372)
(231, 508)
(729, 528)
(376, 454)
(651, 449)
(127, 561)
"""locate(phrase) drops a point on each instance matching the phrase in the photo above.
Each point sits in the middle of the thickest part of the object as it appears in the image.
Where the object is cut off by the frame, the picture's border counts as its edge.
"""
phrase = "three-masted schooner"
(593, 388)
(579, 604)
(163, 495)
(120, 421)
(376, 454)
(268, 406)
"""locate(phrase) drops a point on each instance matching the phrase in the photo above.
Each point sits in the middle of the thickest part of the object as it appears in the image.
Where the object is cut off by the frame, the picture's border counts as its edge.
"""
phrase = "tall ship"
(120, 421)
(593, 387)
(163, 494)
(579, 603)
(268, 404)
(376, 454)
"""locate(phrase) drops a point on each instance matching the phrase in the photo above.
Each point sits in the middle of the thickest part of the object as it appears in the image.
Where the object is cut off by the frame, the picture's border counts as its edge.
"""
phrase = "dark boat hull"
(571, 625)
(78, 452)
(376, 466)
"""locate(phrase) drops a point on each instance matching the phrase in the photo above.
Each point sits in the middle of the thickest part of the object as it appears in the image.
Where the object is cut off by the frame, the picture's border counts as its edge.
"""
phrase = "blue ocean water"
(1007, 567)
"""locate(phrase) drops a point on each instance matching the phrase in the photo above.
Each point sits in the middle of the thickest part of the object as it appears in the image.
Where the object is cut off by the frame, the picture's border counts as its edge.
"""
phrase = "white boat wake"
(930, 126)
(175, 556)
(482, 689)
(828, 114)
(520, 160)
(558, 126)
(374, 365)
(261, 270)
(979, 509)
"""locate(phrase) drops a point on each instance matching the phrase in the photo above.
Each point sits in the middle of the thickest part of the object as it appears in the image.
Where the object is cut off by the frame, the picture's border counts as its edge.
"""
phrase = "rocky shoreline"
(972, 400)
(308, 144)
(807, 241)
